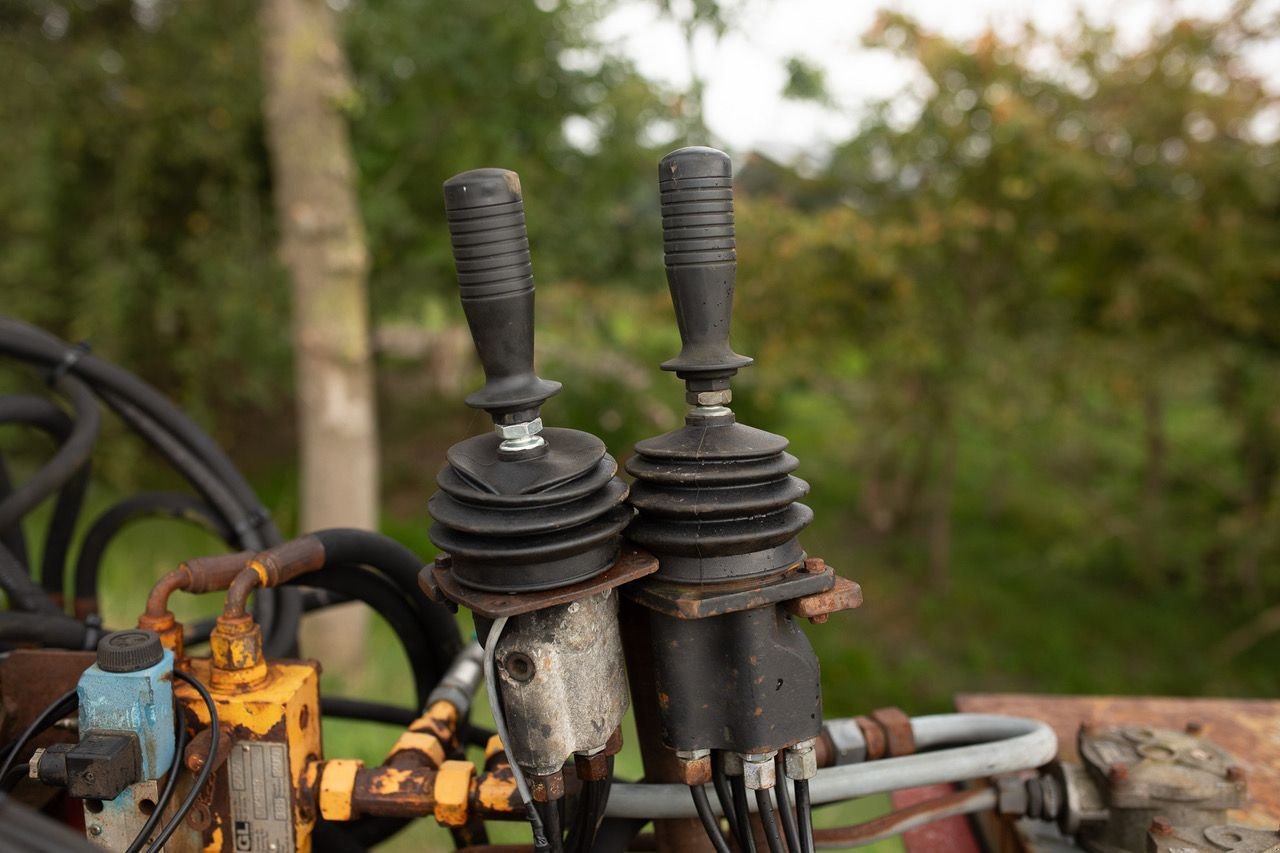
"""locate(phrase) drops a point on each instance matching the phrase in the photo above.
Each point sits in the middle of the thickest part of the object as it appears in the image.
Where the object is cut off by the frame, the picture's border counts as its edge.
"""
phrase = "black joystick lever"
(485, 210)
(696, 189)
(528, 509)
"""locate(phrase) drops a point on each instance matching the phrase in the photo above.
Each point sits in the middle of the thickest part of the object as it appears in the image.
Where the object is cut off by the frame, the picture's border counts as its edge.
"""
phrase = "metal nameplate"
(259, 785)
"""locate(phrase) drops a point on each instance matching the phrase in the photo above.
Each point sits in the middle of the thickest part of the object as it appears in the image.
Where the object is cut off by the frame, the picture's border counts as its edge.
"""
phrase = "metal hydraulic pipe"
(1018, 744)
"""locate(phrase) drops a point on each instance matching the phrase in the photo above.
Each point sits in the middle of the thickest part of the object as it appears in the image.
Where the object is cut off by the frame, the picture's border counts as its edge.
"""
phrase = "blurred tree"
(322, 245)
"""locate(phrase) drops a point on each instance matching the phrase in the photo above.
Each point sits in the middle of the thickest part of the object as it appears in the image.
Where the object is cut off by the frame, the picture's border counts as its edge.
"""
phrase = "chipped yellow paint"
(453, 792)
(424, 742)
(285, 708)
(389, 781)
(337, 780)
(492, 748)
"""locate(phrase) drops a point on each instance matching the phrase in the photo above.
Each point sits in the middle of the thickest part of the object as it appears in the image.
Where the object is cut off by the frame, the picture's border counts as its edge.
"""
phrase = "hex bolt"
(801, 760)
(1161, 826)
(758, 770)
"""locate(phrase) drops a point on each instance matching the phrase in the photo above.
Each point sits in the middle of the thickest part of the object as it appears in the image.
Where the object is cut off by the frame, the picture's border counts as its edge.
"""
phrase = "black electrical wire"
(721, 784)
(13, 537)
(764, 804)
(205, 772)
(118, 516)
(708, 818)
(170, 785)
(746, 837)
(59, 708)
(804, 810)
(789, 829)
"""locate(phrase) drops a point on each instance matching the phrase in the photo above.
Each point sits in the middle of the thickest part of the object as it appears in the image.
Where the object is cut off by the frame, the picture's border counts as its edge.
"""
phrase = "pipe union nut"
(801, 761)
(695, 766)
(848, 739)
(758, 770)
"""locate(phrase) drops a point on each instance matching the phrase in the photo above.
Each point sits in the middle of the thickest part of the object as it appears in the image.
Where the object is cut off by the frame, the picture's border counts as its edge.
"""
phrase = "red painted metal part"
(1247, 728)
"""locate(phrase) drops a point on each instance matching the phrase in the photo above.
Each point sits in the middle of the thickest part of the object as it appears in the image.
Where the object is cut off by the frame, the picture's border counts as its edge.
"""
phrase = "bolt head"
(695, 766)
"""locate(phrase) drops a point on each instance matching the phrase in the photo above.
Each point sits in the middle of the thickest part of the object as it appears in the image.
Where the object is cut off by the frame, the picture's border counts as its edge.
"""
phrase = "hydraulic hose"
(123, 391)
(12, 538)
(120, 515)
(66, 473)
(997, 745)
(401, 566)
(52, 630)
(386, 600)
(21, 590)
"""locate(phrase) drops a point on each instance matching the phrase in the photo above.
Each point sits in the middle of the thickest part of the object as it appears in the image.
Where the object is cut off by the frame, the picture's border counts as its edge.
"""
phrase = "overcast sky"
(745, 72)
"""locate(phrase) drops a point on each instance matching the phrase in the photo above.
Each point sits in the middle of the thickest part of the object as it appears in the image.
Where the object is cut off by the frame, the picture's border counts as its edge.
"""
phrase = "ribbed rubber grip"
(696, 193)
(485, 211)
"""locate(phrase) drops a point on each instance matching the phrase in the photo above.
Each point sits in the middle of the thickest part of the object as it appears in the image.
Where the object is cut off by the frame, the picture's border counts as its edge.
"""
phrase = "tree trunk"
(322, 245)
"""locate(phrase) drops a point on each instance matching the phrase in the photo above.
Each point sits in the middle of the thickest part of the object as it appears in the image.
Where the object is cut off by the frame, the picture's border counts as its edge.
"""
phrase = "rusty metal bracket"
(808, 579)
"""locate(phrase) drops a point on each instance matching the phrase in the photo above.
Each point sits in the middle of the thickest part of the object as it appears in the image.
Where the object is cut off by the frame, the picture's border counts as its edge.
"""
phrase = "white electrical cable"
(1011, 744)
(500, 722)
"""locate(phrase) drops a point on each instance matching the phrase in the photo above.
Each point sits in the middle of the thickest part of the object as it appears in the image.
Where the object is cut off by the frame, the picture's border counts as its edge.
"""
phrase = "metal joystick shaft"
(696, 192)
(485, 212)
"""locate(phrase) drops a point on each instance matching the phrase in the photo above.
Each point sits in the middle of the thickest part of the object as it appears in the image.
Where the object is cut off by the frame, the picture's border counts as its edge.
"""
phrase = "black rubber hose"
(708, 818)
(769, 820)
(21, 590)
(746, 837)
(220, 497)
(387, 601)
(32, 344)
(401, 565)
(721, 783)
(372, 712)
(76, 445)
(67, 472)
(784, 805)
(59, 708)
(52, 630)
(119, 388)
(13, 537)
(120, 515)
(804, 810)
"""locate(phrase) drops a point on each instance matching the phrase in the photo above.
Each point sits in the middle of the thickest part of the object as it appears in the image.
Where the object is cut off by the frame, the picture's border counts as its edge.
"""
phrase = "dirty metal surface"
(1249, 729)
(438, 582)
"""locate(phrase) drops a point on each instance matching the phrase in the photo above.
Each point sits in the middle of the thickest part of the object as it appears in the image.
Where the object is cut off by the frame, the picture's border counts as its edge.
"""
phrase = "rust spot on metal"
(845, 595)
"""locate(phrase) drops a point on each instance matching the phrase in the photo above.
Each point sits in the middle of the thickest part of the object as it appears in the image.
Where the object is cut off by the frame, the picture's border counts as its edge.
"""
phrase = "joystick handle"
(696, 189)
(485, 211)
